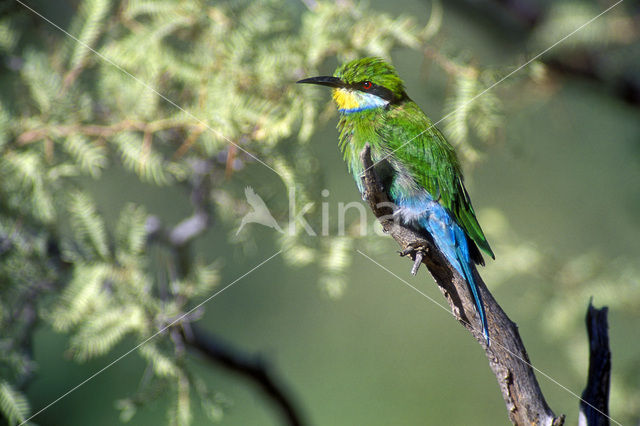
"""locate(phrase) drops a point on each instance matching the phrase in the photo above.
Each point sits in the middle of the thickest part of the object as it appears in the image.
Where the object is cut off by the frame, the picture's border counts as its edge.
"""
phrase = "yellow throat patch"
(345, 99)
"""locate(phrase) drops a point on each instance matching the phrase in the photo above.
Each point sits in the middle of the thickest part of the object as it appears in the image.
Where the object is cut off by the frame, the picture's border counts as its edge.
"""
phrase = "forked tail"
(468, 275)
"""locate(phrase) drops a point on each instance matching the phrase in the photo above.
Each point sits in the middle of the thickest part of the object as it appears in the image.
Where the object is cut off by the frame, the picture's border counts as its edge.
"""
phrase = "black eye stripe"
(374, 89)
(361, 85)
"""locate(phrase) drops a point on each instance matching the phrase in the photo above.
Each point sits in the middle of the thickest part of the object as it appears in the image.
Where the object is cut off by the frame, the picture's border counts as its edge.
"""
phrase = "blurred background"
(126, 147)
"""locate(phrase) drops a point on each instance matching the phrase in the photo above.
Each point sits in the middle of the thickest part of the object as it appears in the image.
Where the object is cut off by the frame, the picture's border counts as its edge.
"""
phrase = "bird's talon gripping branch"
(417, 261)
(416, 254)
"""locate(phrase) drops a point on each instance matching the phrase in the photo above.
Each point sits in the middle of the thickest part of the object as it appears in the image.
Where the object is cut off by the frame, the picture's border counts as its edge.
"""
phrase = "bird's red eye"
(367, 85)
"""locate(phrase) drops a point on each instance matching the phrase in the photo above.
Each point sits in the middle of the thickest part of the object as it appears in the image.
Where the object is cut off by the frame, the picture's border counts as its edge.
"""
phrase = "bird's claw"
(417, 261)
(416, 254)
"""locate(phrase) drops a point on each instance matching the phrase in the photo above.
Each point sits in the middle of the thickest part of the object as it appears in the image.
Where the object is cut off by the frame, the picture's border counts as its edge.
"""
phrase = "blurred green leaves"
(229, 67)
(13, 404)
(67, 115)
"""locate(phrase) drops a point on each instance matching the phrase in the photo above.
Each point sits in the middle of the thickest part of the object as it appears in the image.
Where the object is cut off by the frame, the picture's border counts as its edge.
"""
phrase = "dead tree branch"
(594, 407)
(507, 356)
(253, 368)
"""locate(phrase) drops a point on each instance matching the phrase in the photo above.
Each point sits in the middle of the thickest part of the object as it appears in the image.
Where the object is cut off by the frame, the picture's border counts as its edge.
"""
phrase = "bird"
(418, 167)
(260, 212)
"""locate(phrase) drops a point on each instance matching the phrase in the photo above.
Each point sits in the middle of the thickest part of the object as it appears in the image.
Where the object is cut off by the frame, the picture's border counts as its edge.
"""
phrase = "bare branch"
(252, 367)
(594, 407)
(507, 356)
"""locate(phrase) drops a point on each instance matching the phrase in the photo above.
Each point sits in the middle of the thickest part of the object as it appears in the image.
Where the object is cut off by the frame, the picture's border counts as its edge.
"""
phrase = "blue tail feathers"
(429, 215)
(468, 275)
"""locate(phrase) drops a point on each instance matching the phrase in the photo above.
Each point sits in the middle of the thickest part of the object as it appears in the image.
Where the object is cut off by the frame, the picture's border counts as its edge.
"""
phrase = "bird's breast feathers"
(350, 101)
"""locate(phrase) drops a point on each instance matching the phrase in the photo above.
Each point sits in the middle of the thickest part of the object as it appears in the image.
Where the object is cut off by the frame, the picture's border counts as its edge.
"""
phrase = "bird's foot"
(417, 261)
(417, 254)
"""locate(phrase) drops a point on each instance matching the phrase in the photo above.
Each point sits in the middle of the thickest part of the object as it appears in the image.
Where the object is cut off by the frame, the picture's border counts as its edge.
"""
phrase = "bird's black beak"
(324, 81)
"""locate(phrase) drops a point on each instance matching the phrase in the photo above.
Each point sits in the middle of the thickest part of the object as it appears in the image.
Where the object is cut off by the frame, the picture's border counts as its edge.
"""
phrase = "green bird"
(419, 168)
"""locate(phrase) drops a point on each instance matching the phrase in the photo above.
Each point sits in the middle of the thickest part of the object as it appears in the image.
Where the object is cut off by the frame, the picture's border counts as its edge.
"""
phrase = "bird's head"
(363, 84)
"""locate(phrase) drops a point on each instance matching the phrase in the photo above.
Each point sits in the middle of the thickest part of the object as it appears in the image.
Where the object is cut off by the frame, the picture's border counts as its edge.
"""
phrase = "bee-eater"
(419, 168)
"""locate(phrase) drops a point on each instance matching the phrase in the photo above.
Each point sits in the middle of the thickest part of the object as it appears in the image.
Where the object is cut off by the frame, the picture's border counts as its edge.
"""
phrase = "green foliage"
(88, 227)
(472, 107)
(81, 297)
(8, 34)
(131, 234)
(42, 82)
(89, 156)
(13, 404)
(564, 17)
(162, 363)
(98, 335)
(27, 187)
(91, 18)
(175, 83)
(111, 294)
(135, 157)
(25, 270)
(335, 265)
(180, 413)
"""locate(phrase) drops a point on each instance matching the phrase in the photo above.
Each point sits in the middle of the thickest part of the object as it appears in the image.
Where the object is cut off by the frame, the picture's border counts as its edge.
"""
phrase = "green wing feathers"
(466, 218)
(433, 163)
